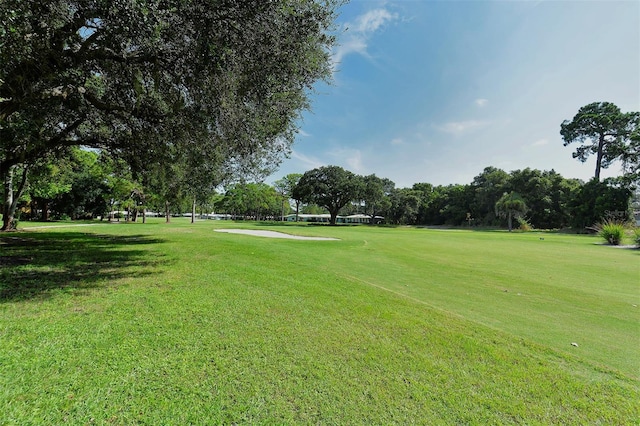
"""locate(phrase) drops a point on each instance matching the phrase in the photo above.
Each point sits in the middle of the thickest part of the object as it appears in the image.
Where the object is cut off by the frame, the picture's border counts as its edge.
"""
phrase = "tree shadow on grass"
(34, 265)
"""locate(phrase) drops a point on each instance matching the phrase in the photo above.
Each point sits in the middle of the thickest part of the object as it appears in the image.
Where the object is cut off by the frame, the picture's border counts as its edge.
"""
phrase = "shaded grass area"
(36, 264)
(220, 329)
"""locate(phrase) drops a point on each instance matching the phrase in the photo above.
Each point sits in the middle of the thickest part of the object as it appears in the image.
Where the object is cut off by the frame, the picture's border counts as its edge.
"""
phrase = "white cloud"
(397, 141)
(460, 127)
(540, 142)
(481, 102)
(358, 33)
(303, 133)
(308, 162)
(351, 158)
(372, 20)
(352, 45)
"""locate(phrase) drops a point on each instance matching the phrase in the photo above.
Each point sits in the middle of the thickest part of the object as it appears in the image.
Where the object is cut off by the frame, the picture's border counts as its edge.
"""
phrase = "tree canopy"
(511, 205)
(375, 195)
(603, 130)
(331, 187)
(222, 80)
(285, 187)
(257, 200)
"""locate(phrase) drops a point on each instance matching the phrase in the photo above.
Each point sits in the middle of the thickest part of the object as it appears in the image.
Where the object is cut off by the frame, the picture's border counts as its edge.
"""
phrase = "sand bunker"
(273, 234)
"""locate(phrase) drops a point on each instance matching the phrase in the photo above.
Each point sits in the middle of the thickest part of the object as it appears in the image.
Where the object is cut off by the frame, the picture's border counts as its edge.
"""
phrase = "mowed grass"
(178, 324)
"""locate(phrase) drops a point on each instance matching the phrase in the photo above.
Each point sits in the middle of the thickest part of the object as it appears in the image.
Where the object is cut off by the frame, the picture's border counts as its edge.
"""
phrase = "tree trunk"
(45, 210)
(11, 198)
(111, 203)
(334, 215)
(167, 216)
(7, 216)
(510, 221)
(143, 205)
(283, 209)
(193, 211)
(599, 157)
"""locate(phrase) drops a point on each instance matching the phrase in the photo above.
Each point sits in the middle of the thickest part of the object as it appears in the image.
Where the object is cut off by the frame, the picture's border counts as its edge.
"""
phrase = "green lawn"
(178, 324)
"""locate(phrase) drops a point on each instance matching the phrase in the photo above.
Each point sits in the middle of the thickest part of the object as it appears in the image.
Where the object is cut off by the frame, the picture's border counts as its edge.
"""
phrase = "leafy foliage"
(255, 200)
(595, 200)
(488, 187)
(546, 194)
(222, 82)
(94, 187)
(331, 187)
(375, 195)
(511, 205)
(405, 204)
(285, 187)
(603, 130)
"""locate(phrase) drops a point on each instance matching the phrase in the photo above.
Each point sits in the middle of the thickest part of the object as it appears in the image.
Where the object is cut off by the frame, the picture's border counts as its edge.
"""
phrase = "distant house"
(361, 218)
(322, 218)
(326, 218)
(216, 216)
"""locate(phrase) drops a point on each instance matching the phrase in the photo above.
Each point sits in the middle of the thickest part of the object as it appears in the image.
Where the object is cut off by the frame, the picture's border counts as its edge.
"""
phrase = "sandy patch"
(273, 234)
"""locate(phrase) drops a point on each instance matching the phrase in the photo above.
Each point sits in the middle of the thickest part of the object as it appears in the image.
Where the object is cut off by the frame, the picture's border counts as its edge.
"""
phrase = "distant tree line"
(88, 184)
(551, 200)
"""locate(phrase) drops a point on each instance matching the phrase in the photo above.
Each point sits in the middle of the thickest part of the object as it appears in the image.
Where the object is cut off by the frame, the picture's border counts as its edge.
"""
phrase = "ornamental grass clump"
(524, 224)
(611, 230)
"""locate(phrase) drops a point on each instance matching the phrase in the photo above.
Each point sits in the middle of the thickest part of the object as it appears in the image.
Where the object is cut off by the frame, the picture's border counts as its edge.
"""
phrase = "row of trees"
(88, 184)
(551, 200)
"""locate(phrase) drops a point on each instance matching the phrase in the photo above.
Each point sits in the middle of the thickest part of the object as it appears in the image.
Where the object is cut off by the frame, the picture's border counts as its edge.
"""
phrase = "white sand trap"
(273, 234)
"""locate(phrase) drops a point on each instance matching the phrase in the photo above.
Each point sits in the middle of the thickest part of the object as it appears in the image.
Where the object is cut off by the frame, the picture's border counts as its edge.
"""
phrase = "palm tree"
(511, 205)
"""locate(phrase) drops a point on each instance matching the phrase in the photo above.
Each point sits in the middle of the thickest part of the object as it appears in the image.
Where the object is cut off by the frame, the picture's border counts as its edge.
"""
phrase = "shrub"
(524, 224)
(611, 230)
(636, 237)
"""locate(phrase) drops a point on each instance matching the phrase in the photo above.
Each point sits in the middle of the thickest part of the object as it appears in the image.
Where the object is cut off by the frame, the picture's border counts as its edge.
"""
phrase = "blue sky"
(434, 91)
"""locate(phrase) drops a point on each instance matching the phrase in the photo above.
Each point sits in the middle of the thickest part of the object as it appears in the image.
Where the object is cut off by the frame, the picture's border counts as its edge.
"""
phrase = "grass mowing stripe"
(502, 298)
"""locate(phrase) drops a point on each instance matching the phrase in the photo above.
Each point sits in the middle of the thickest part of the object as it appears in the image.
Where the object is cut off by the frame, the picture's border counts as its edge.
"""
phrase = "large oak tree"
(223, 78)
(331, 187)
